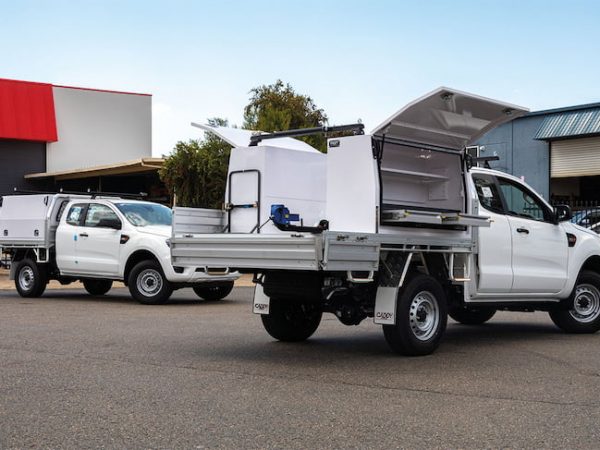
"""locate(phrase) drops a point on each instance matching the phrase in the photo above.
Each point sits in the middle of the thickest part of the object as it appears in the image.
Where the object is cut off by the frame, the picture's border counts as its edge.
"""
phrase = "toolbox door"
(447, 118)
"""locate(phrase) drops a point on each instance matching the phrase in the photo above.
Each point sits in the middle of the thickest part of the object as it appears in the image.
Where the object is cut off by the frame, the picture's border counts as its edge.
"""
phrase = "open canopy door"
(447, 118)
(238, 137)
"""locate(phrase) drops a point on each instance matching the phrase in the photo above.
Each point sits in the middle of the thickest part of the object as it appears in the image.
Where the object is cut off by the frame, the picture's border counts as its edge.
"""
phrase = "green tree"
(277, 107)
(196, 172)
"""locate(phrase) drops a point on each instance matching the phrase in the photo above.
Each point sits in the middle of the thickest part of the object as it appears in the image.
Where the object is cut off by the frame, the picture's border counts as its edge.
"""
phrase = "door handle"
(523, 230)
(83, 235)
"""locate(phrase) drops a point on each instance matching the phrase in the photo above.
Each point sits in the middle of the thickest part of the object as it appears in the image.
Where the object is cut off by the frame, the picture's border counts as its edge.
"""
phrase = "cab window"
(75, 214)
(523, 203)
(61, 209)
(98, 214)
(488, 193)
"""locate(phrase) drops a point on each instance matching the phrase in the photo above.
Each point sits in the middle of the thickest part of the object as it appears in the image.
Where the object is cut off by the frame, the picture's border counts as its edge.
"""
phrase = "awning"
(125, 168)
(447, 118)
(573, 123)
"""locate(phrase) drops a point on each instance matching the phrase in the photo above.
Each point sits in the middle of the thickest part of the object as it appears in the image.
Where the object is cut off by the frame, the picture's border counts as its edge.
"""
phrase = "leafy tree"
(277, 107)
(196, 172)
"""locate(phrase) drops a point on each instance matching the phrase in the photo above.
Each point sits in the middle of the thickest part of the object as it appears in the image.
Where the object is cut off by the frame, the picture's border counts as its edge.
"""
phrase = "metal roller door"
(575, 158)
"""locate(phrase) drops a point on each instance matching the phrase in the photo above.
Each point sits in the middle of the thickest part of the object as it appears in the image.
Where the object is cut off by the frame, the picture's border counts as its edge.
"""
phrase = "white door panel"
(66, 247)
(540, 255)
(98, 246)
(67, 236)
(98, 252)
(495, 255)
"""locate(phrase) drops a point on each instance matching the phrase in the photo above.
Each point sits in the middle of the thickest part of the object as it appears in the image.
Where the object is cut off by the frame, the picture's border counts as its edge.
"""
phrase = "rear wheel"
(421, 317)
(212, 293)
(584, 315)
(471, 316)
(30, 278)
(291, 321)
(148, 285)
(97, 287)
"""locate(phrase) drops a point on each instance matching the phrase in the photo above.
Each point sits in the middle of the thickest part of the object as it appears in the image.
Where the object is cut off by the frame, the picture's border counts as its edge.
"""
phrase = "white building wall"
(99, 128)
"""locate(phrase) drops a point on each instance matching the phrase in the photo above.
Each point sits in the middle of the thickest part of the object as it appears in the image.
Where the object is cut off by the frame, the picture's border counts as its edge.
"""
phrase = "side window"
(488, 193)
(521, 202)
(96, 213)
(61, 210)
(75, 213)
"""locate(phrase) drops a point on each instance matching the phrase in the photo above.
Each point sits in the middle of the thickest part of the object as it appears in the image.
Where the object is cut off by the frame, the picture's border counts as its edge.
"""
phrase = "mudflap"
(385, 305)
(260, 304)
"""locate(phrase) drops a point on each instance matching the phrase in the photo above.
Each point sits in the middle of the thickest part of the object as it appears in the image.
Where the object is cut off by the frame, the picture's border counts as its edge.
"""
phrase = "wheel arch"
(135, 258)
(592, 264)
(17, 256)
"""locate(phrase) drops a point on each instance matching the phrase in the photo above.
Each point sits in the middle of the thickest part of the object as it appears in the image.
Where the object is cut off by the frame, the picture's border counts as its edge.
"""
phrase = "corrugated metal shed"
(567, 124)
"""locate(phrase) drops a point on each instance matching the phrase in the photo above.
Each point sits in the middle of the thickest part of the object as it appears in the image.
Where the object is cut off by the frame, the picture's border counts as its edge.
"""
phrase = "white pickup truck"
(400, 226)
(98, 240)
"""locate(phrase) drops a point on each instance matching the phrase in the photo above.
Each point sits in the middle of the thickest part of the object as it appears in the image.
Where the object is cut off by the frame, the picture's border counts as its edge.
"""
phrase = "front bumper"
(199, 275)
(194, 275)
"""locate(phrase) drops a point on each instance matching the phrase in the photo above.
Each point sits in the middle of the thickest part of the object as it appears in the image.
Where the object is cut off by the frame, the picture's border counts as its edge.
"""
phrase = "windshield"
(578, 216)
(143, 214)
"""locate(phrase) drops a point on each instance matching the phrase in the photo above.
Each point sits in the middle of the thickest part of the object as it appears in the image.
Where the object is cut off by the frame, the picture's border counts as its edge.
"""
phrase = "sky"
(356, 59)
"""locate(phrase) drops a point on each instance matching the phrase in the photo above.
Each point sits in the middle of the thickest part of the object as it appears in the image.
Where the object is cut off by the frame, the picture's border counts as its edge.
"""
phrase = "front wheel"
(421, 317)
(30, 278)
(212, 293)
(97, 287)
(148, 285)
(584, 315)
(291, 321)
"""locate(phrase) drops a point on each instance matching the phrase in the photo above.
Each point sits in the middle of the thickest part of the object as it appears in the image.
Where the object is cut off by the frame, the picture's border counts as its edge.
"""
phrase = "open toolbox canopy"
(447, 118)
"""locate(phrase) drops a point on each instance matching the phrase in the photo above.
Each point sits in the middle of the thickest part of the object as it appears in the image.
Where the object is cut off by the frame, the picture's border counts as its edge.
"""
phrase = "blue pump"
(280, 215)
(282, 219)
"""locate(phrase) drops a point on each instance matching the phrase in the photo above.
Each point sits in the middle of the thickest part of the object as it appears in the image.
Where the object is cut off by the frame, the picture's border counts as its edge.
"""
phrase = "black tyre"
(212, 293)
(97, 287)
(148, 285)
(584, 315)
(471, 316)
(421, 317)
(30, 278)
(291, 321)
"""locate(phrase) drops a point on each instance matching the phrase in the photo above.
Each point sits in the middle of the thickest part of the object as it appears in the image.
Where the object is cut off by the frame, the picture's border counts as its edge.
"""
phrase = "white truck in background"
(399, 226)
(98, 240)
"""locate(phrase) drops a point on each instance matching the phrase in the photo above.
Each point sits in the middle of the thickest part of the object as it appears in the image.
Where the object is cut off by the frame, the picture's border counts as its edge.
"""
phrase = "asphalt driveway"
(83, 372)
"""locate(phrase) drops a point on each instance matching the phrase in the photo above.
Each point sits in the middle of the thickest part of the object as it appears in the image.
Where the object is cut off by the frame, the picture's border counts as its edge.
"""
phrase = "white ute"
(400, 226)
(99, 240)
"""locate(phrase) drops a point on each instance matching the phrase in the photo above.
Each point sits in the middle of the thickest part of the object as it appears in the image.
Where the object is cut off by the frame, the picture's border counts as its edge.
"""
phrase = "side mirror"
(115, 224)
(562, 213)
